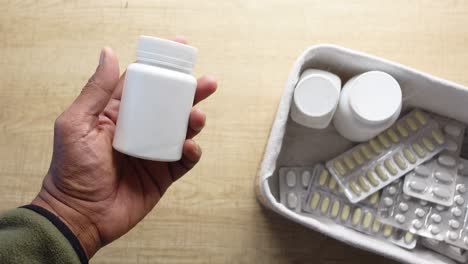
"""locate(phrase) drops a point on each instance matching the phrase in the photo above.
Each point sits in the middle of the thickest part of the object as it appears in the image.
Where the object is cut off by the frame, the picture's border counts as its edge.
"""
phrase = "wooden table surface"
(49, 48)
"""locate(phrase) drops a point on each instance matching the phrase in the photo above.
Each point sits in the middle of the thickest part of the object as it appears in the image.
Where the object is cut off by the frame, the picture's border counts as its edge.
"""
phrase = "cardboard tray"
(290, 144)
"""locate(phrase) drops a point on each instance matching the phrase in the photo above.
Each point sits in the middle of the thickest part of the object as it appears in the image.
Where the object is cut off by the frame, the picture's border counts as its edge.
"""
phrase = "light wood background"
(49, 48)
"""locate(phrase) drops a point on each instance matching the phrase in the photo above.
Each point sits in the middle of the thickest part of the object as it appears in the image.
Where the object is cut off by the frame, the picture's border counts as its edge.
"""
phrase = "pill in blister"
(355, 188)
(368, 217)
(417, 224)
(393, 135)
(332, 183)
(438, 137)
(421, 117)
(339, 167)
(340, 189)
(306, 178)
(376, 147)
(356, 216)
(452, 130)
(441, 193)
(423, 202)
(349, 162)
(440, 208)
(372, 177)
(434, 229)
(412, 125)
(400, 218)
(420, 212)
(409, 156)
(453, 236)
(384, 140)
(417, 186)
(456, 212)
(436, 218)
(451, 146)
(402, 130)
(358, 157)
(363, 183)
(388, 229)
(391, 190)
(292, 200)
(381, 172)
(324, 205)
(461, 188)
(444, 177)
(403, 207)
(428, 144)
(459, 200)
(409, 237)
(418, 150)
(366, 151)
(388, 201)
(335, 209)
(405, 197)
(446, 160)
(399, 161)
(390, 167)
(323, 177)
(345, 212)
(376, 225)
(422, 171)
(291, 178)
(314, 201)
(454, 224)
(374, 198)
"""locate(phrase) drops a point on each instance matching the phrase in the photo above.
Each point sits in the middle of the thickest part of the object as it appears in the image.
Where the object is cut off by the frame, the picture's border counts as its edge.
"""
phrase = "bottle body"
(154, 112)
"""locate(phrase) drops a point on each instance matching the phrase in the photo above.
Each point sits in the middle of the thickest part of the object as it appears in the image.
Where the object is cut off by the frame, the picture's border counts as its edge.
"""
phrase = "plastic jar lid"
(375, 97)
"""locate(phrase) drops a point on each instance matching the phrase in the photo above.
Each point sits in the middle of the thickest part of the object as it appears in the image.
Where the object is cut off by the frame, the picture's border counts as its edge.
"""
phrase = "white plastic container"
(156, 101)
(369, 104)
(290, 143)
(315, 98)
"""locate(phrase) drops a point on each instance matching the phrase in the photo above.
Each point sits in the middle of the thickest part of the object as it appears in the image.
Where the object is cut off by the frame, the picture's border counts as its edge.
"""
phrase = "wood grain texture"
(49, 48)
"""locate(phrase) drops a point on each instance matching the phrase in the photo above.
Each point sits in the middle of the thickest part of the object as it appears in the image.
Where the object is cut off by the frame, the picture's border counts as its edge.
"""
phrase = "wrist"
(82, 227)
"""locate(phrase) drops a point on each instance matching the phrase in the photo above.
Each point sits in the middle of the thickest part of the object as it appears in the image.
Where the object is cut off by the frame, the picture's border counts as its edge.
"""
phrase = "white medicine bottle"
(156, 102)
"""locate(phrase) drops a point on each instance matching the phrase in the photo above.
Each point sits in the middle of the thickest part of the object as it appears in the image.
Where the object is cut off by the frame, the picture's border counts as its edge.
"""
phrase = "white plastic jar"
(369, 104)
(156, 102)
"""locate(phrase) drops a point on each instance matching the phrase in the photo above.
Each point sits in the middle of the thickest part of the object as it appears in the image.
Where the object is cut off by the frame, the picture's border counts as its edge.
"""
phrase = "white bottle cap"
(375, 97)
(315, 98)
(166, 52)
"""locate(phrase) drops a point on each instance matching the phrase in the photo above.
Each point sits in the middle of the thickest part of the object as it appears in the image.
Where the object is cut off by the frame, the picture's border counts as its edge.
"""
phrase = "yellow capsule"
(419, 150)
(323, 177)
(366, 151)
(335, 208)
(363, 183)
(355, 188)
(314, 201)
(421, 117)
(356, 216)
(390, 167)
(332, 184)
(409, 237)
(358, 157)
(340, 189)
(375, 146)
(374, 198)
(409, 156)
(428, 143)
(372, 177)
(438, 137)
(400, 161)
(393, 135)
(402, 130)
(349, 162)
(381, 172)
(388, 229)
(325, 204)
(376, 225)
(384, 140)
(345, 212)
(412, 125)
(368, 217)
(339, 167)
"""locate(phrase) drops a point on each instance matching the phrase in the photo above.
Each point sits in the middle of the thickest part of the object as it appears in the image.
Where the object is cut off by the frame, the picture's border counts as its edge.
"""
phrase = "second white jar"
(369, 104)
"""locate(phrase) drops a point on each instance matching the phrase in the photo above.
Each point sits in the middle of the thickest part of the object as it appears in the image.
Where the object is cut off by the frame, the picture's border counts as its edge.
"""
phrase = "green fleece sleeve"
(33, 235)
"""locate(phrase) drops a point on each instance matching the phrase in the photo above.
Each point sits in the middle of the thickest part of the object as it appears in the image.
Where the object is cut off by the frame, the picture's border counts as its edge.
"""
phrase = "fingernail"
(101, 57)
(198, 150)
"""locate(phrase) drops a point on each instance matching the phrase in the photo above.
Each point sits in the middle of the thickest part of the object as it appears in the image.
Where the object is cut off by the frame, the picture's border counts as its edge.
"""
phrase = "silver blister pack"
(455, 253)
(370, 166)
(293, 185)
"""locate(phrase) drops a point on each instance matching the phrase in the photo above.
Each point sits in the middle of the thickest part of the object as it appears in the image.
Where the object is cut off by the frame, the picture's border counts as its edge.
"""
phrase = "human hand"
(99, 193)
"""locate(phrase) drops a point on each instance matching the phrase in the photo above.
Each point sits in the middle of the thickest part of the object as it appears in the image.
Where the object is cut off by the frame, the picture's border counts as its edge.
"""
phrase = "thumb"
(97, 92)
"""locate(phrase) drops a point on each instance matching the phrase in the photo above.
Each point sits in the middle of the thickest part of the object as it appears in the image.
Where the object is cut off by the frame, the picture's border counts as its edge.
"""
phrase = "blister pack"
(293, 185)
(358, 217)
(368, 167)
(445, 249)
(434, 181)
